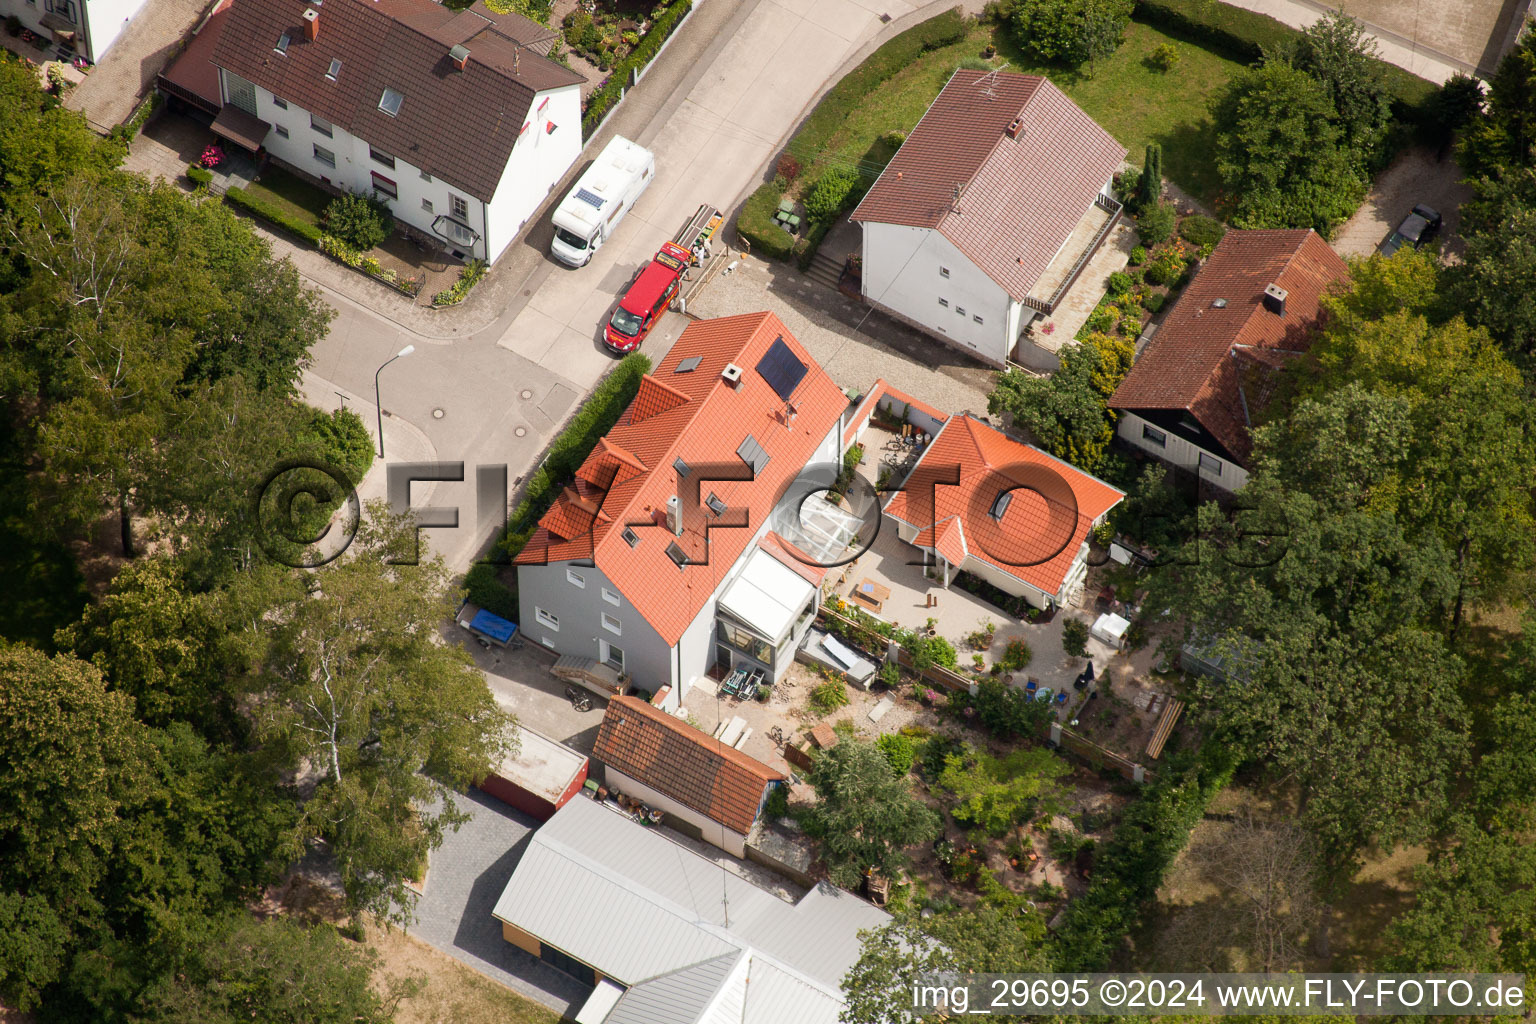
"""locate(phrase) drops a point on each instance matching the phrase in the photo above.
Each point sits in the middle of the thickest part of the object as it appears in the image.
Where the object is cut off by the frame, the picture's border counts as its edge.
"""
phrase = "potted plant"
(988, 52)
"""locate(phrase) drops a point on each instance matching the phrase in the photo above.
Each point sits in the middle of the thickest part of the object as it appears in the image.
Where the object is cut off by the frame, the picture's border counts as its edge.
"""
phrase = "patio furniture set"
(742, 684)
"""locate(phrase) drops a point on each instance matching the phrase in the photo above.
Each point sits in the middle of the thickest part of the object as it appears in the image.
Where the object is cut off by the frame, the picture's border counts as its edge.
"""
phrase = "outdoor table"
(871, 594)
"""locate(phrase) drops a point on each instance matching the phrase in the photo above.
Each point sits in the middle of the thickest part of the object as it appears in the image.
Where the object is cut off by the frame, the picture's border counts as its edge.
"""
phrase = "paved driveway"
(1415, 177)
(114, 87)
(464, 879)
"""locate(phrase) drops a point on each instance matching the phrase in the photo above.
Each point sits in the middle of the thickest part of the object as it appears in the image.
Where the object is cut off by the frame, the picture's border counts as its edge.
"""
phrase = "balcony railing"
(1048, 306)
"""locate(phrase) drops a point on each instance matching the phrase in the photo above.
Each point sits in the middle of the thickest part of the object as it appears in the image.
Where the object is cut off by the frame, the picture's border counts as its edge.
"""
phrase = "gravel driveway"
(1415, 177)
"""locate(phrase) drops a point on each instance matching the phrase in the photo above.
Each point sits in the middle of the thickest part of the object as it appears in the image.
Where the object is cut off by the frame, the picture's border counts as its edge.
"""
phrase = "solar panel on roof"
(781, 368)
(590, 197)
(689, 365)
(752, 454)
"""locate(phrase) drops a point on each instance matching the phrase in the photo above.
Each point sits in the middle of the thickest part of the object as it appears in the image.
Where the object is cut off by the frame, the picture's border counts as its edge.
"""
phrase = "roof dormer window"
(335, 69)
(390, 102)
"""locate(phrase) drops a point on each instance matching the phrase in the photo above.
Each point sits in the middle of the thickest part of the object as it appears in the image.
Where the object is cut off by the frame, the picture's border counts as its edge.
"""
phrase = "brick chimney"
(1014, 127)
(460, 56)
(311, 24)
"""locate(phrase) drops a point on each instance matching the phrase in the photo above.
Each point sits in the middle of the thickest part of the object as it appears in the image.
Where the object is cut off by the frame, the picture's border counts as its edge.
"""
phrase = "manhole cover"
(437, 414)
(520, 431)
(525, 394)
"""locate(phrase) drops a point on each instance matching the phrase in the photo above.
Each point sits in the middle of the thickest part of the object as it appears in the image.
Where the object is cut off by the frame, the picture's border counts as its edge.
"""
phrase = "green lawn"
(299, 198)
(1133, 100)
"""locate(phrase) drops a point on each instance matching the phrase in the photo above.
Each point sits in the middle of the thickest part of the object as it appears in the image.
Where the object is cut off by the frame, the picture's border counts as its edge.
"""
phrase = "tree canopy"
(865, 817)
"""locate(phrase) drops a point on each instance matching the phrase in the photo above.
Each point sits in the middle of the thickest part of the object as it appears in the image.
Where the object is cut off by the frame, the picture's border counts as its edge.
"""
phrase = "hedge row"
(568, 451)
(483, 587)
(757, 226)
(305, 230)
(896, 55)
(607, 94)
(1244, 35)
(199, 175)
(1131, 866)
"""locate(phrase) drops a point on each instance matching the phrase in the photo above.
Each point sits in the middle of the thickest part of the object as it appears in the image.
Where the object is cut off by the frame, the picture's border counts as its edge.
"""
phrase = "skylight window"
(677, 555)
(1000, 505)
(335, 69)
(282, 44)
(716, 506)
(681, 467)
(390, 102)
(631, 537)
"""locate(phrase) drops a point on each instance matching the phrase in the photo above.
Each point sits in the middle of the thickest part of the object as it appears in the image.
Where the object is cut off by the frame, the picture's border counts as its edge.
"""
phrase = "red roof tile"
(193, 70)
(953, 490)
(459, 126)
(793, 558)
(677, 760)
(707, 428)
(1211, 361)
(1021, 195)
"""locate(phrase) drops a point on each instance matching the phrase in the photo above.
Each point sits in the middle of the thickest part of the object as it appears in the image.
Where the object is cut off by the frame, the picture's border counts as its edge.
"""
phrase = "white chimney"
(1274, 299)
(675, 516)
(731, 374)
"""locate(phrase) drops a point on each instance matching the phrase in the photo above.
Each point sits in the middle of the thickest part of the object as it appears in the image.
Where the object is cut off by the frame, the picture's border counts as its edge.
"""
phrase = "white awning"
(767, 596)
(598, 1005)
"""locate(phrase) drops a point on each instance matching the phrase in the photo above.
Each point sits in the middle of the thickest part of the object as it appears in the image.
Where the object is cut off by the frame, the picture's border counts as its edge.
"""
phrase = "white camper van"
(587, 217)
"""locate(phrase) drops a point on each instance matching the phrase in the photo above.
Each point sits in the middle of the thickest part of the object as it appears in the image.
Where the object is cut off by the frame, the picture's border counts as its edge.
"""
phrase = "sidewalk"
(126, 74)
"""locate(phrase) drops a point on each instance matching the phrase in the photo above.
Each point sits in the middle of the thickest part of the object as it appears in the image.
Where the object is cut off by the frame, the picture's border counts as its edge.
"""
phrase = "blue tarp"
(493, 627)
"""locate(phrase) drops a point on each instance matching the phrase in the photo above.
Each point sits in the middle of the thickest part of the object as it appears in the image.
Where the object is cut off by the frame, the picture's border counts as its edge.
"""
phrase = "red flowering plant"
(212, 156)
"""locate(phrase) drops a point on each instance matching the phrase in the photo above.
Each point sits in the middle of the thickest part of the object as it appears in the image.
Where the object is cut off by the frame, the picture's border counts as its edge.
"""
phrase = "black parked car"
(1416, 230)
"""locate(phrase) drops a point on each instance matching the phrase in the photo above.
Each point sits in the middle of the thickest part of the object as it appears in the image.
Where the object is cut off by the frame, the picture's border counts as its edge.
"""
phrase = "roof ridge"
(726, 753)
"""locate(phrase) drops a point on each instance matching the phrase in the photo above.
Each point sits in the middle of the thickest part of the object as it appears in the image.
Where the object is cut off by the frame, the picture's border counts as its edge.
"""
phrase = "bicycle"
(580, 699)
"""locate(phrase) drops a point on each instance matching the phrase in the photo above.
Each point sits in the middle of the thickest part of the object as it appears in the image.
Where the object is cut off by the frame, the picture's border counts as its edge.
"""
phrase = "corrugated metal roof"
(777, 997)
(635, 905)
(681, 997)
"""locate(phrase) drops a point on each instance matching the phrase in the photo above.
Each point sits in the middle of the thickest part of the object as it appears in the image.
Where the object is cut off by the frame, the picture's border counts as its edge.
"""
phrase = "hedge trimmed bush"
(896, 55)
(568, 451)
(305, 230)
(202, 177)
(805, 248)
(831, 193)
(484, 587)
(612, 89)
(757, 226)
(1131, 866)
(1200, 230)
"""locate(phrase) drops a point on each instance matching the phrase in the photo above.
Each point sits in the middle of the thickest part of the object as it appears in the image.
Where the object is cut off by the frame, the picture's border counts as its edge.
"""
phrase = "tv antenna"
(987, 81)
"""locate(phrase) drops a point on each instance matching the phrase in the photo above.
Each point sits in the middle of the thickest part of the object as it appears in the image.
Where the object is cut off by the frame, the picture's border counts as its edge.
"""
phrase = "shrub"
(200, 176)
(341, 439)
(1155, 223)
(778, 802)
(631, 39)
(829, 696)
(242, 199)
(1130, 326)
(1201, 230)
(974, 64)
(900, 750)
(577, 24)
(1154, 302)
(1074, 638)
(758, 228)
(1167, 265)
(483, 587)
(1119, 283)
(831, 193)
(1130, 866)
(1007, 711)
(894, 137)
(567, 452)
(360, 221)
(1017, 655)
(1165, 56)
(789, 168)
(890, 674)
(1138, 255)
(469, 276)
(805, 248)
(928, 651)
(1070, 32)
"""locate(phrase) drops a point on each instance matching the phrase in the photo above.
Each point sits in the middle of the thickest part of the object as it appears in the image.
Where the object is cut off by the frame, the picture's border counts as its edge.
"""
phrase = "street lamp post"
(377, 402)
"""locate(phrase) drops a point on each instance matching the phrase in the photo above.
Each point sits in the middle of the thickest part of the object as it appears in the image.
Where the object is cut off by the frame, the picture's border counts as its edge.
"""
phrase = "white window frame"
(943, 271)
(320, 126)
(944, 303)
(575, 578)
(978, 318)
(330, 157)
(547, 620)
(613, 624)
(458, 206)
(612, 598)
(281, 131)
(426, 205)
(960, 311)
(279, 103)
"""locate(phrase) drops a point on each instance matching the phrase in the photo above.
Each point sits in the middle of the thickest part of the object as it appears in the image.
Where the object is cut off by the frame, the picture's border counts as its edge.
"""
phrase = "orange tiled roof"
(1213, 361)
(697, 417)
(679, 761)
(951, 494)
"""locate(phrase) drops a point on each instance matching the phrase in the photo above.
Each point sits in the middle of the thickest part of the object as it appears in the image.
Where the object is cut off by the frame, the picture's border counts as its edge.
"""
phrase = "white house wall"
(539, 160)
(106, 20)
(1181, 452)
(902, 271)
(517, 195)
(713, 832)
